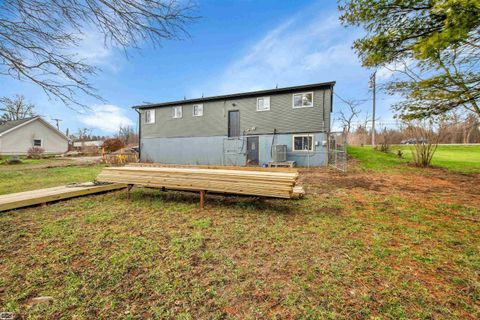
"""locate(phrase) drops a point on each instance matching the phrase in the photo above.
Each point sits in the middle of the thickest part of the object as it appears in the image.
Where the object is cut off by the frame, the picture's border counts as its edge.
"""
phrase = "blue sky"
(235, 46)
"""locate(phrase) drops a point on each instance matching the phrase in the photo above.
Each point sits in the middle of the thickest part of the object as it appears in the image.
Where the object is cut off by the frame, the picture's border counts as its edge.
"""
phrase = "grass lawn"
(462, 159)
(24, 177)
(377, 244)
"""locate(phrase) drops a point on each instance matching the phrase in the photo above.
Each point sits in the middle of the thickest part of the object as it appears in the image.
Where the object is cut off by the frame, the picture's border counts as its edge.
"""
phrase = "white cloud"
(106, 117)
(93, 50)
(307, 48)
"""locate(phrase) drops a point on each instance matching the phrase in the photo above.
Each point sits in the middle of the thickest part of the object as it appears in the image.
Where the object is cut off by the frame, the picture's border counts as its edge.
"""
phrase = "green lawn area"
(25, 177)
(462, 159)
(377, 244)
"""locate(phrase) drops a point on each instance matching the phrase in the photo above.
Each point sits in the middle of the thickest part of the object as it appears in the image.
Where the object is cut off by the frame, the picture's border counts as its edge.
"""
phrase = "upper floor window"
(177, 112)
(198, 110)
(303, 100)
(149, 116)
(37, 142)
(263, 104)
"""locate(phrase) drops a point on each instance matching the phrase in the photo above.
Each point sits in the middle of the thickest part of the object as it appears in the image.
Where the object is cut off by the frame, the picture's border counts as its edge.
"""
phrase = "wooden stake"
(202, 199)
(129, 187)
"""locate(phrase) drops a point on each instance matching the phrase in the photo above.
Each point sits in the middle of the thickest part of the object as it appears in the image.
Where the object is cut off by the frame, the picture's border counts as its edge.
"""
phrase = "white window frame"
(174, 115)
(193, 110)
(264, 98)
(303, 136)
(41, 143)
(151, 113)
(302, 106)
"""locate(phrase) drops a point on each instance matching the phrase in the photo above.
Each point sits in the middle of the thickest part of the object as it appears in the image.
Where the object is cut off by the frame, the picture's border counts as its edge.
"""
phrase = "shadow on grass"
(212, 200)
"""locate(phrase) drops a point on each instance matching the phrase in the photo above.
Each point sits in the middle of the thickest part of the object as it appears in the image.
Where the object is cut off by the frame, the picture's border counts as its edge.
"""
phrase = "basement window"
(149, 116)
(198, 110)
(177, 112)
(37, 142)
(263, 104)
(303, 100)
(303, 142)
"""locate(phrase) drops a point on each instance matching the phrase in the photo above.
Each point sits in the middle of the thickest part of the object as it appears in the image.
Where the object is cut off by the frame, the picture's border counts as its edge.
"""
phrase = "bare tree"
(346, 117)
(126, 134)
(83, 134)
(37, 37)
(426, 141)
(16, 108)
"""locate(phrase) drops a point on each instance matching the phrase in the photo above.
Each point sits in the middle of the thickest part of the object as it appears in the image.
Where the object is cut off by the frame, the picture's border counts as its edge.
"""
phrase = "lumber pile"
(217, 179)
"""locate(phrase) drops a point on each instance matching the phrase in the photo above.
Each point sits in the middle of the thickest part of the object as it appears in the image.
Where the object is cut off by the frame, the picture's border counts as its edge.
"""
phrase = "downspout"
(139, 134)
(329, 125)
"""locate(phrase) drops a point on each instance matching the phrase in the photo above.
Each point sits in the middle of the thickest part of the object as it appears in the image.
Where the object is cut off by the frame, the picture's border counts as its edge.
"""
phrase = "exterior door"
(252, 151)
(234, 123)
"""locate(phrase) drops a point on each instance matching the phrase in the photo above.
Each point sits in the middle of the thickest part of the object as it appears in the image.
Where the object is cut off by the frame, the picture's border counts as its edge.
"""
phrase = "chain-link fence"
(337, 151)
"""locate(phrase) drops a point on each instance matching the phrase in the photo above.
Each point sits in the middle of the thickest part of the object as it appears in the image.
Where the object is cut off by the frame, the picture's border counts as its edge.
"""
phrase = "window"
(149, 116)
(198, 110)
(177, 112)
(303, 100)
(263, 104)
(303, 143)
(37, 142)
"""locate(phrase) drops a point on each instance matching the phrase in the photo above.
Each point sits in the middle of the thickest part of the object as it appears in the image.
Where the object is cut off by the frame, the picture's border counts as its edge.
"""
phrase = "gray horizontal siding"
(214, 122)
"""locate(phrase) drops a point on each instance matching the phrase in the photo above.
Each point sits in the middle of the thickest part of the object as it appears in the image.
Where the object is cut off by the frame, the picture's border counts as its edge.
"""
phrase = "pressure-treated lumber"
(218, 179)
(40, 196)
(201, 166)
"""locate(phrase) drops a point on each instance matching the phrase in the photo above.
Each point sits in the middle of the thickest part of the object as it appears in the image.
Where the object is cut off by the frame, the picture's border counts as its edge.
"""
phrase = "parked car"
(414, 141)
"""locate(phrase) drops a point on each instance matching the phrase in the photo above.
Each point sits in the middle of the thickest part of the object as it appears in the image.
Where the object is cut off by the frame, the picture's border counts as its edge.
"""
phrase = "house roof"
(15, 124)
(9, 125)
(312, 86)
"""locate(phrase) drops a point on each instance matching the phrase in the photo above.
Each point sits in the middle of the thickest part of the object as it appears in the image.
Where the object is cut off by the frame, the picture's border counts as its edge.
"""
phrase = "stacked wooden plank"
(40, 196)
(245, 181)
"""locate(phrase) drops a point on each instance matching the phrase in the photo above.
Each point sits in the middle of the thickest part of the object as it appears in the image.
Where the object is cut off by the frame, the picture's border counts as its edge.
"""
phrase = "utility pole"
(373, 86)
(57, 121)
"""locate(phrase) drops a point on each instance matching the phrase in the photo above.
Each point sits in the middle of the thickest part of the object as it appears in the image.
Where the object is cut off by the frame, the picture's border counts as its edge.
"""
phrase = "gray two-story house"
(251, 128)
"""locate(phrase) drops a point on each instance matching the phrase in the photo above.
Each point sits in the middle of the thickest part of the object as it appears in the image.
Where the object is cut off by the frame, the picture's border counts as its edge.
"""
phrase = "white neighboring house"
(88, 144)
(17, 136)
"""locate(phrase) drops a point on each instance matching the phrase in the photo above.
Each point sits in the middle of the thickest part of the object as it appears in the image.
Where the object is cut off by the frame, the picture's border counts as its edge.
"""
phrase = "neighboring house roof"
(313, 86)
(9, 125)
(16, 124)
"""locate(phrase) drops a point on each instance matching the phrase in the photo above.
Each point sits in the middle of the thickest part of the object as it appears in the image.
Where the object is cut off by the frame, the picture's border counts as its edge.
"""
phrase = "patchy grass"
(457, 158)
(4, 162)
(386, 245)
(20, 178)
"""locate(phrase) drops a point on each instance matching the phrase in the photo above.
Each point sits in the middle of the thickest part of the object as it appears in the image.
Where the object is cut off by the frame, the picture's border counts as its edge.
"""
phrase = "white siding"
(18, 141)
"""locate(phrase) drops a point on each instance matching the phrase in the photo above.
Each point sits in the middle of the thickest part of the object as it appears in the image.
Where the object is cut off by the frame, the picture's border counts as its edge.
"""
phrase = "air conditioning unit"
(279, 153)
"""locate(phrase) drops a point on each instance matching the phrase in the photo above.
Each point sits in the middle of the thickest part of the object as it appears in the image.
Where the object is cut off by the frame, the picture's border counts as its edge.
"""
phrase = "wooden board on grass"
(40, 196)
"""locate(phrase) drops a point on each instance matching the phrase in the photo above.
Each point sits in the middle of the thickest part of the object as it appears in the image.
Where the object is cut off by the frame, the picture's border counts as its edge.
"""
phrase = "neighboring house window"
(177, 112)
(303, 143)
(303, 100)
(37, 142)
(149, 116)
(198, 110)
(263, 104)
